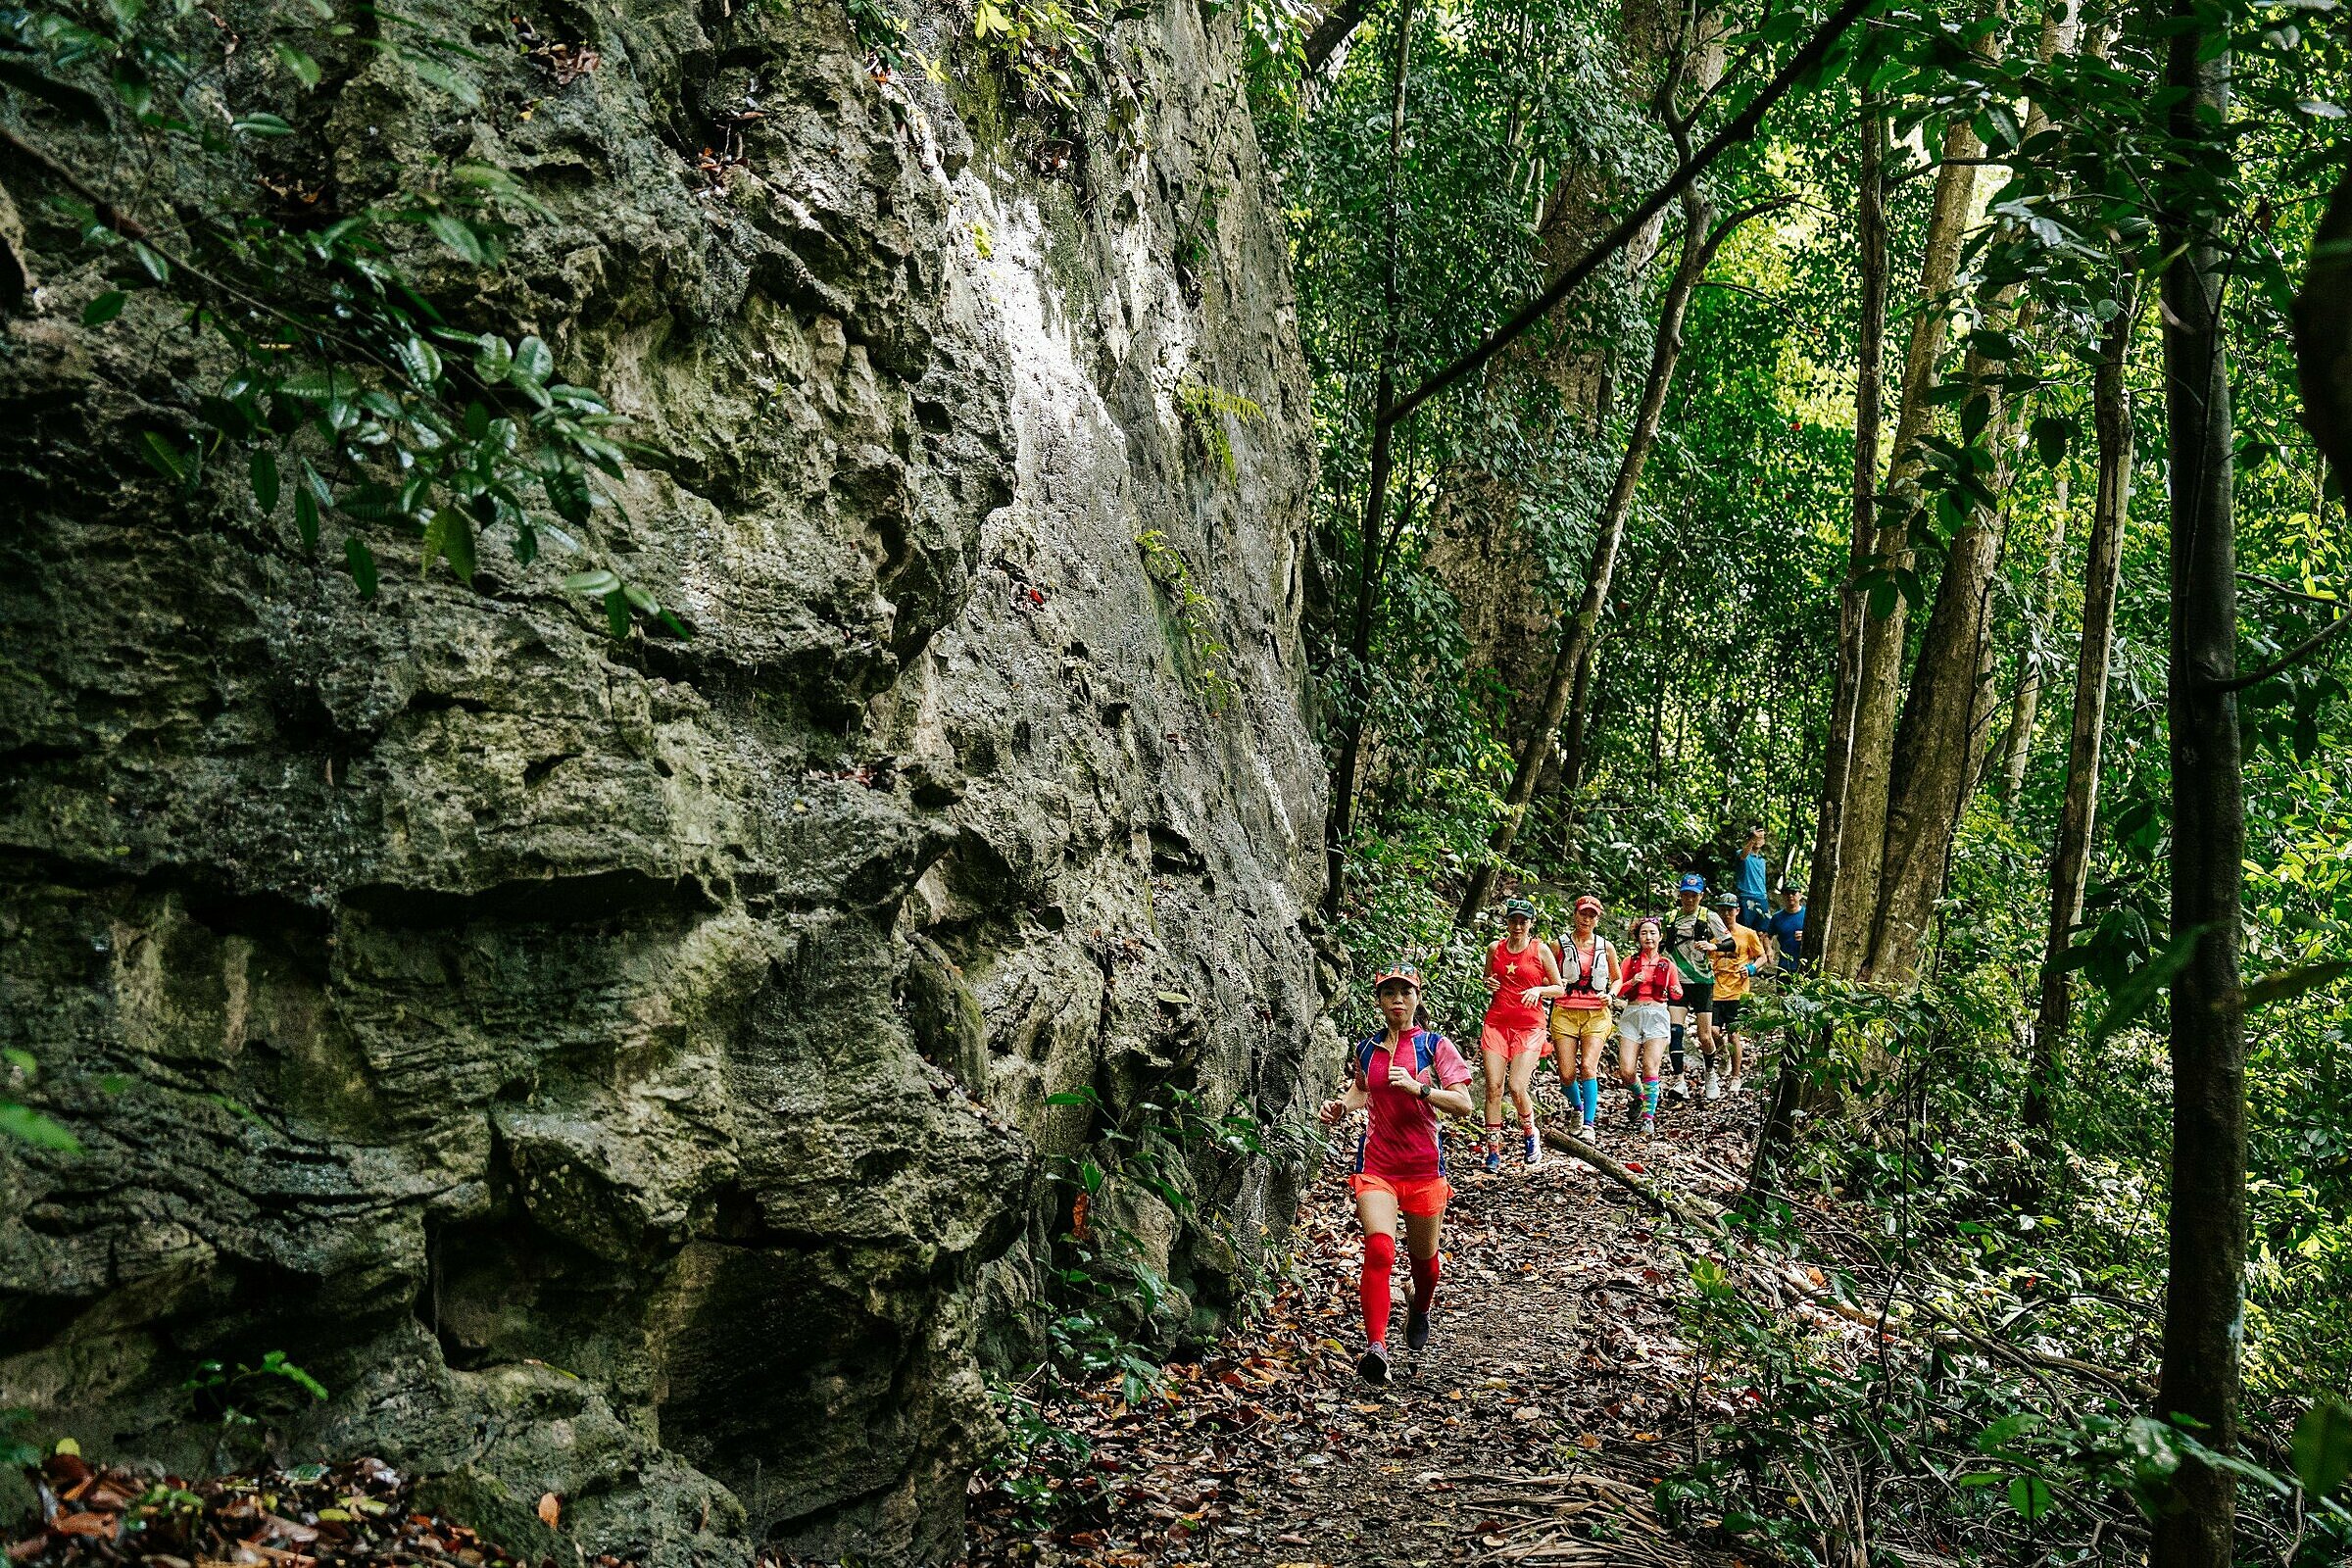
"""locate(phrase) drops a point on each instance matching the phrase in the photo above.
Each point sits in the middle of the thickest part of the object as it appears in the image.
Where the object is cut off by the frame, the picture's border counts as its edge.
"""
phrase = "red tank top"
(1518, 971)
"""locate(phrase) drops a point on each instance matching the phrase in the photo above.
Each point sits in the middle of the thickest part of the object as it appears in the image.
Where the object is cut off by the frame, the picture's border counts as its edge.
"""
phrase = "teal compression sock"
(1649, 1097)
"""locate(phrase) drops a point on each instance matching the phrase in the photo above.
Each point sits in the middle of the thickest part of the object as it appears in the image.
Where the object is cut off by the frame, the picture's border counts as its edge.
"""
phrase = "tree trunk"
(1935, 761)
(2102, 567)
(2024, 708)
(1577, 631)
(1372, 544)
(1939, 744)
(1870, 747)
(1870, 243)
(2204, 1287)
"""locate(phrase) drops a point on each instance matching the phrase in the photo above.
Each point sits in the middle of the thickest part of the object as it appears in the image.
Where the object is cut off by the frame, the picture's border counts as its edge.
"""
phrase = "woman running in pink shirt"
(1650, 981)
(1521, 977)
(1404, 1075)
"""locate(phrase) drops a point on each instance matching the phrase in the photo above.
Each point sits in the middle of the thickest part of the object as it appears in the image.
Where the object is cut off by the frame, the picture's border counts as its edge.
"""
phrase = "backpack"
(1425, 1052)
(1585, 983)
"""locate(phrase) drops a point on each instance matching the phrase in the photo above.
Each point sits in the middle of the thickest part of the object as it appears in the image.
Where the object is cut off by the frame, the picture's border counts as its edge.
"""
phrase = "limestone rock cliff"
(638, 1070)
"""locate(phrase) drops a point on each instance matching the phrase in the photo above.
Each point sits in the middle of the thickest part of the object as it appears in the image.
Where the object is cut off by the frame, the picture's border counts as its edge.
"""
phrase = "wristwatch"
(1424, 1089)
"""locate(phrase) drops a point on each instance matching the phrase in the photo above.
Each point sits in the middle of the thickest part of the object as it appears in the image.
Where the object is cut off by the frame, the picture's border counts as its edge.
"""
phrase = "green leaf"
(317, 383)
(298, 65)
(2323, 1448)
(2050, 438)
(420, 361)
(306, 517)
(459, 236)
(104, 309)
(450, 535)
(262, 471)
(2140, 988)
(2031, 1497)
(361, 560)
(598, 581)
(258, 124)
(2281, 984)
(29, 1126)
(22, 1060)
(165, 458)
(534, 359)
(493, 357)
(616, 613)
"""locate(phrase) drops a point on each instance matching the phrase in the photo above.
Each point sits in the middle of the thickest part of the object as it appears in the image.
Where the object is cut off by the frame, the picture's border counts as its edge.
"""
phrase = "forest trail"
(1554, 1392)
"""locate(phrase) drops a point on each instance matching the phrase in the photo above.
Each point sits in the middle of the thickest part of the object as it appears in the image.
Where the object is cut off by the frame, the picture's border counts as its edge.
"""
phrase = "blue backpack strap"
(1425, 1050)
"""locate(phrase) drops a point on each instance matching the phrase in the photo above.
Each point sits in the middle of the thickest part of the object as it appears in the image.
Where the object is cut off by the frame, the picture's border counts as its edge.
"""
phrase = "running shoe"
(1494, 1161)
(1374, 1363)
(1649, 1126)
(1576, 1123)
(1534, 1150)
(1715, 1084)
(1416, 1328)
(1735, 1084)
(1632, 1108)
(1681, 1085)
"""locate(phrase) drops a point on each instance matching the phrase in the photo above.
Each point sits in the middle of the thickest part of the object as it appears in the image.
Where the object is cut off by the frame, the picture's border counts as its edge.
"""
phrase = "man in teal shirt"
(1754, 882)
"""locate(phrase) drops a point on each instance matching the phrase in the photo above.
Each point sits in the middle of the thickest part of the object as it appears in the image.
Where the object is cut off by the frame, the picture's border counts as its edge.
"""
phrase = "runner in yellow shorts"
(1581, 1021)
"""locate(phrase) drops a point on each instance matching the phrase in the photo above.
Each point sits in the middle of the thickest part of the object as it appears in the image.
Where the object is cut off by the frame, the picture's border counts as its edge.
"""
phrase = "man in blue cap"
(1692, 938)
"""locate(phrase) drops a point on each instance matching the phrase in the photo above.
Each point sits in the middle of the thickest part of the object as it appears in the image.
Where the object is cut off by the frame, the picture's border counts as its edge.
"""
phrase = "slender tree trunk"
(1577, 632)
(1340, 823)
(2024, 708)
(1870, 750)
(1870, 242)
(2102, 567)
(1939, 744)
(1932, 751)
(2204, 1287)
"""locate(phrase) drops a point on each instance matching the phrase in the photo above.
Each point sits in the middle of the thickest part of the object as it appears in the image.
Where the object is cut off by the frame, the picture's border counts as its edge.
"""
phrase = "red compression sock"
(1425, 1281)
(1380, 1260)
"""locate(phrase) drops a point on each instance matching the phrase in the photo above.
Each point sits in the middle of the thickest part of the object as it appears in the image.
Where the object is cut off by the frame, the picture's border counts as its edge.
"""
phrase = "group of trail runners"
(1685, 978)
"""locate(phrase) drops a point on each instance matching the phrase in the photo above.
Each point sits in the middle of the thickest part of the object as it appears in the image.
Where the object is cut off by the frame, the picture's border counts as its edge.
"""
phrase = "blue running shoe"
(1534, 1150)
(1494, 1161)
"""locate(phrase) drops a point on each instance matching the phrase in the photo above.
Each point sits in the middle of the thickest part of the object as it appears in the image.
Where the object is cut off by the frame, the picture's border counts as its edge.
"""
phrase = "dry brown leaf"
(551, 1510)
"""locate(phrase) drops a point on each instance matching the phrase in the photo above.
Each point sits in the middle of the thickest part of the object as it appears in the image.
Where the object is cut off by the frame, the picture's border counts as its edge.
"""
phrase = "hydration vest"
(1425, 1050)
(1583, 984)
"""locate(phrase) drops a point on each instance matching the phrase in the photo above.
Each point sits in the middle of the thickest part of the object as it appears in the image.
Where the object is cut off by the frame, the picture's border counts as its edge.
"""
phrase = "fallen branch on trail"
(1710, 1220)
(1665, 1202)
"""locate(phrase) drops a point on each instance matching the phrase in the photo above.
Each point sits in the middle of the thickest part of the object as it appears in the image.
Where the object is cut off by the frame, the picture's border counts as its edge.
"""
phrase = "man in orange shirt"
(1738, 957)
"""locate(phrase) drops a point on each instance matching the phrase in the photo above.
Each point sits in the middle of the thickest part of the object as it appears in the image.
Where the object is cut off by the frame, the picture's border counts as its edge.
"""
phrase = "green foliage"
(224, 1392)
(15, 1453)
(20, 1121)
(1035, 1459)
(1054, 53)
(1205, 654)
(344, 384)
(1205, 410)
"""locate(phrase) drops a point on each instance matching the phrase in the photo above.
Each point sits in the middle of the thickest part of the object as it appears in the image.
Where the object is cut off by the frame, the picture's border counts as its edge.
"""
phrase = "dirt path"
(1555, 1389)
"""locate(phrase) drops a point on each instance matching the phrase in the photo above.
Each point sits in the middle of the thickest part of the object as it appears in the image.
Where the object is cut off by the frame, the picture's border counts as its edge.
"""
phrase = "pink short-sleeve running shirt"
(1404, 1139)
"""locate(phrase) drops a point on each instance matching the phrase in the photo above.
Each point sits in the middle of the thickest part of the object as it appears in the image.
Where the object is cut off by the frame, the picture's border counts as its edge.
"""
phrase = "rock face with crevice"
(643, 1071)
